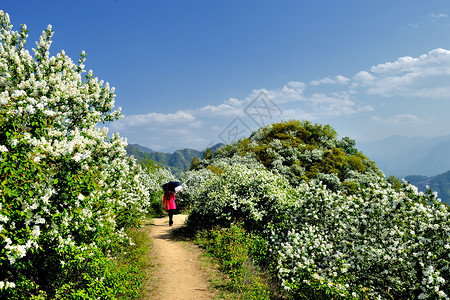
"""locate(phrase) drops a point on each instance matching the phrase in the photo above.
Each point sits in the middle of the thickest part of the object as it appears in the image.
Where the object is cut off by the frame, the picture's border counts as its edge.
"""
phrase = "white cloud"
(402, 64)
(336, 80)
(151, 120)
(337, 105)
(229, 108)
(402, 119)
(362, 78)
(161, 132)
(221, 110)
(326, 80)
(298, 85)
(437, 17)
(341, 79)
(424, 76)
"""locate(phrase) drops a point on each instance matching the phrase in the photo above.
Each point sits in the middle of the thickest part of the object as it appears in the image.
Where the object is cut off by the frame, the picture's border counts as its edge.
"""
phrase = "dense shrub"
(193, 182)
(68, 191)
(250, 196)
(377, 242)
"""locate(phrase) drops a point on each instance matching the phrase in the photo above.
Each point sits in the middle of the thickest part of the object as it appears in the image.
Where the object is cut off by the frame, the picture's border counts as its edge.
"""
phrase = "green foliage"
(194, 163)
(208, 153)
(395, 182)
(215, 170)
(108, 278)
(233, 248)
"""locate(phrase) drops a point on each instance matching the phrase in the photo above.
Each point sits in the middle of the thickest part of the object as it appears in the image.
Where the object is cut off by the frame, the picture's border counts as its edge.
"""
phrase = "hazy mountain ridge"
(421, 161)
(402, 156)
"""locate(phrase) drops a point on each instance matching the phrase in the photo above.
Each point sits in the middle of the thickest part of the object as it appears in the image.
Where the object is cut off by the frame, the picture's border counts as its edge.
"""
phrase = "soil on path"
(178, 272)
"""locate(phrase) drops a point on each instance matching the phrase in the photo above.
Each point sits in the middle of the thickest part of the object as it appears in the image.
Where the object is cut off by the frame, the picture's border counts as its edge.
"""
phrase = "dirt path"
(178, 273)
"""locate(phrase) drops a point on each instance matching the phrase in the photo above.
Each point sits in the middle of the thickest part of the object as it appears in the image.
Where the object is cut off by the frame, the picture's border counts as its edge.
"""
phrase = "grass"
(239, 276)
(140, 253)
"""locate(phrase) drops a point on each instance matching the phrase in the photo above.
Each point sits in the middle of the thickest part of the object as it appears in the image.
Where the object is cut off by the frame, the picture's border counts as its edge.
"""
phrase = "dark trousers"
(171, 211)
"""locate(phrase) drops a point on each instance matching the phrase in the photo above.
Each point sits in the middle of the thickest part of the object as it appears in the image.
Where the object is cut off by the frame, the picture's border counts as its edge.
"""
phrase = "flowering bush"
(252, 196)
(376, 242)
(67, 190)
(193, 182)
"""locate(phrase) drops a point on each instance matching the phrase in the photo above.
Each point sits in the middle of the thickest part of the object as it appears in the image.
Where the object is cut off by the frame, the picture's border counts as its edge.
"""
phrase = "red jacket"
(169, 203)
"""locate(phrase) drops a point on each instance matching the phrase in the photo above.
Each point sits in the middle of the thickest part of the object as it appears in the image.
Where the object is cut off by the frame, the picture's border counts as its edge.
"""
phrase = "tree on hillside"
(303, 151)
(67, 190)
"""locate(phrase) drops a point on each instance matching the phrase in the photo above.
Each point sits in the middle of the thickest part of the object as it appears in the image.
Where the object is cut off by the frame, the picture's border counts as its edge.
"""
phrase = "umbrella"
(172, 186)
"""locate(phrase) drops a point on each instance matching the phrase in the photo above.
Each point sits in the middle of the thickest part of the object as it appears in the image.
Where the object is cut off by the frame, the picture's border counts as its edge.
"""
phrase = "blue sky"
(195, 73)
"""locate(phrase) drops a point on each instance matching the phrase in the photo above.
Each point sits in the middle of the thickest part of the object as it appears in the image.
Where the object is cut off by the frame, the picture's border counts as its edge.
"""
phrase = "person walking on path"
(169, 204)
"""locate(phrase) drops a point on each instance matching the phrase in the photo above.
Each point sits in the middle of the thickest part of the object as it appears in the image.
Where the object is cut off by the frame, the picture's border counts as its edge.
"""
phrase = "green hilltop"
(302, 151)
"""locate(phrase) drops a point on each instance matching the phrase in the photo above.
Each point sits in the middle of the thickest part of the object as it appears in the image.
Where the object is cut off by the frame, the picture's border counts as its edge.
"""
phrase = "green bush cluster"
(251, 196)
(234, 248)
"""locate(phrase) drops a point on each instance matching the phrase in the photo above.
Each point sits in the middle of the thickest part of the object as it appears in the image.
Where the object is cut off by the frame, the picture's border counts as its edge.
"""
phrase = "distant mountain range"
(178, 161)
(439, 183)
(402, 156)
(419, 160)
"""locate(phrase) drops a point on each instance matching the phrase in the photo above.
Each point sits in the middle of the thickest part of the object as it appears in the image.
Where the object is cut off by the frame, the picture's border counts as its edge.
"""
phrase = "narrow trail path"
(178, 273)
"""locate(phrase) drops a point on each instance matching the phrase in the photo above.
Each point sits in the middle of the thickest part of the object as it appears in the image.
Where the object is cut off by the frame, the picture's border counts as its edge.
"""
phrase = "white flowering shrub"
(240, 194)
(193, 183)
(376, 244)
(195, 180)
(67, 190)
(365, 241)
